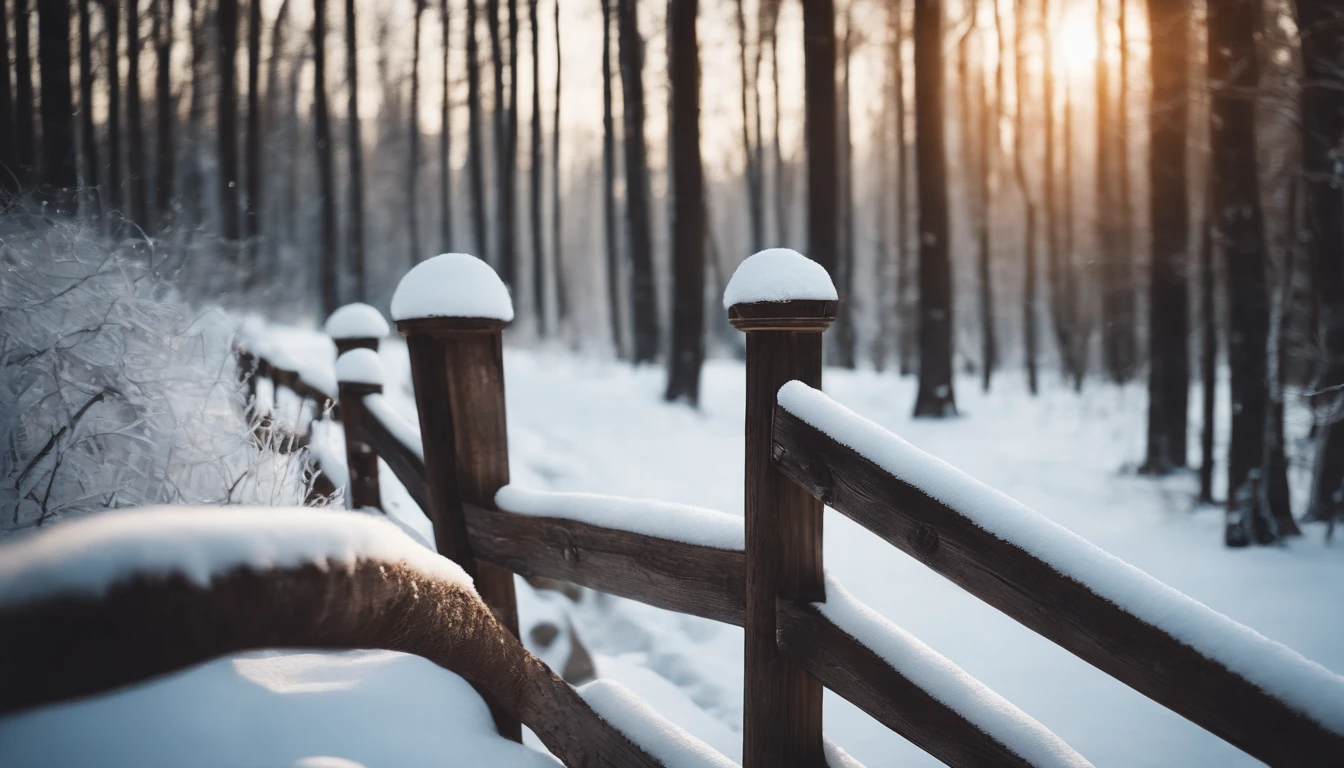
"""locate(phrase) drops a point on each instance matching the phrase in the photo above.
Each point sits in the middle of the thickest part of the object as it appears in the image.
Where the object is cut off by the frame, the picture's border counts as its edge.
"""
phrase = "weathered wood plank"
(403, 462)
(847, 667)
(672, 575)
(1027, 589)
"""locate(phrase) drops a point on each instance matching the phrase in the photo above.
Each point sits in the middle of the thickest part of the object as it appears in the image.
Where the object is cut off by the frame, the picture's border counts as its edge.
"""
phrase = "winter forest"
(1089, 252)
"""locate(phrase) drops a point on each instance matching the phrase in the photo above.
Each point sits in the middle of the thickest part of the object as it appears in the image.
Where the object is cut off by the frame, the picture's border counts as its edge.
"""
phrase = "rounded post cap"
(452, 285)
(359, 366)
(778, 275)
(356, 321)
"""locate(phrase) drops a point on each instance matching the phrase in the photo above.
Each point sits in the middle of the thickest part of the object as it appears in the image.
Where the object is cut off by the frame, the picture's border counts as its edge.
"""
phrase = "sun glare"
(1076, 45)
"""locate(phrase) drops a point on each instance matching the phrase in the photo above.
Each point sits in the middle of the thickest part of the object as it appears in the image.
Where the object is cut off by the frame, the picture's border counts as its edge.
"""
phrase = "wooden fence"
(775, 587)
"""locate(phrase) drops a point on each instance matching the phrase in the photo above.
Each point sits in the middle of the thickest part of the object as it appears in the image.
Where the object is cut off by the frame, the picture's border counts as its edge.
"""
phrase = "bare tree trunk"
(507, 213)
(165, 166)
(935, 398)
(688, 230)
(1029, 338)
(987, 134)
(354, 234)
(1278, 494)
(1208, 353)
(413, 144)
(1069, 281)
(25, 140)
(783, 185)
(905, 317)
(614, 307)
(252, 213)
(135, 125)
(475, 152)
(557, 249)
(1168, 323)
(504, 259)
(1058, 262)
(330, 287)
(820, 108)
(1233, 72)
(8, 143)
(990, 331)
(1322, 123)
(226, 21)
(534, 212)
(60, 174)
(193, 179)
(843, 335)
(445, 144)
(750, 173)
(282, 216)
(1116, 269)
(88, 137)
(644, 296)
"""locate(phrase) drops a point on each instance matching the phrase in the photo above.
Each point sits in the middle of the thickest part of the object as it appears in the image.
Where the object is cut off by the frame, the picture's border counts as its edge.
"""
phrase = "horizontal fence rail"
(1032, 591)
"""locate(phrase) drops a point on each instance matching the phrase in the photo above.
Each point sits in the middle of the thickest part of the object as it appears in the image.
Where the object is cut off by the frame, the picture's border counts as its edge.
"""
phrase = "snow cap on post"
(359, 366)
(456, 285)
(356, 321)
(778, 274)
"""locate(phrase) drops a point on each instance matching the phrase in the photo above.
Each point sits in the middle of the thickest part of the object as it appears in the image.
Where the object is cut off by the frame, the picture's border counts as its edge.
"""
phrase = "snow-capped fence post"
(453, 309)
(356, 326)
(783, 302)
(359, 373)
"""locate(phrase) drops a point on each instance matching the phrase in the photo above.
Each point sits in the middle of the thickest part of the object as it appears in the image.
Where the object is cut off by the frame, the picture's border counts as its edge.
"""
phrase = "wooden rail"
(775, 586)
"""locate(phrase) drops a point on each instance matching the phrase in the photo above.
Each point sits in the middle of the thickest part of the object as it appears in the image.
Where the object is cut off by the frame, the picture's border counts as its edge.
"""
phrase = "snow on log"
(359, 366)
(778, 274)
(677, 522)
(405, 432)
(837, 757)
(1302, 685)
(356, 321)
(452, 285)
(650, 731)
(937, 676)
(87, 557)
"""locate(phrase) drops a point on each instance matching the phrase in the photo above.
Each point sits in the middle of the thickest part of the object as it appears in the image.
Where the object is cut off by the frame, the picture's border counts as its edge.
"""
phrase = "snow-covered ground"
(587, 425)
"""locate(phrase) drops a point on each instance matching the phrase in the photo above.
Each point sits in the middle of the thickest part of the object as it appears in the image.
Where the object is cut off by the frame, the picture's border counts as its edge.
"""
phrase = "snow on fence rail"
(767, 575)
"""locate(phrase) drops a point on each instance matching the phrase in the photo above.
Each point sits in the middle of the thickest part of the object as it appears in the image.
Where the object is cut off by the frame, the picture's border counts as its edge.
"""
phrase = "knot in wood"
(825, 482)
(571, 553)
(926, 539)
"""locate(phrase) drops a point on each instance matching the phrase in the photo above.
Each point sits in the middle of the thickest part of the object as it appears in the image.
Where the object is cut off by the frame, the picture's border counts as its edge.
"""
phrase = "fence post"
(358, 373)
(453, 309)
(783, 317)
(356, 326)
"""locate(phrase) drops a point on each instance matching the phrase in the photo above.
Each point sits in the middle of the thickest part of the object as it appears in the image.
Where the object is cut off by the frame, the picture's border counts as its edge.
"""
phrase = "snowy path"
(587, 425)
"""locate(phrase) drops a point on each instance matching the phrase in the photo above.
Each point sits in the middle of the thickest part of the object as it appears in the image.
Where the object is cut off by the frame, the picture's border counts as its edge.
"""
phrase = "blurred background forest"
(1092, 192)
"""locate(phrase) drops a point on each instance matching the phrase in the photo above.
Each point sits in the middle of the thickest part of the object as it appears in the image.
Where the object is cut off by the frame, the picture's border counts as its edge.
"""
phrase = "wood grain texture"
(403, 462)
(360, 460)
(846, 666)
(1022, 586)
(782, 705)
(345, 345)
(63, 648)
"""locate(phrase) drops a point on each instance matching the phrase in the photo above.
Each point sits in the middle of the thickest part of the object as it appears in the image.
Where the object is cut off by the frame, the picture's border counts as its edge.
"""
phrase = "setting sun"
(1076, 44)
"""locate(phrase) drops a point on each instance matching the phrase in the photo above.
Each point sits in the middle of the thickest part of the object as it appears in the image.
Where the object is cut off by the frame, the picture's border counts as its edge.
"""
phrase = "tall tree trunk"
(643, 294)
(750, 173)
(614, 308)
(88, 137)
(843, 335)
(1208, 352)
(504, 258)
(1278, 494)
(475, 150)
(8, 149)
(1168, 306)
(688, 211)
(990, 330)
(282, 217)
(935, 396)
(1234, 72)
(226, 19)
(252, 211)
(135, 124)
(1057, 261)
(783, 187)
(822, 143)
(354, 233)
(413, 144)
(882, 343)
(165, 164)
(988, 134)
(507, 214)
(330, 286)
(1116, 268)
(557, 249)
(445, 144)
(1029, 339)
(193, 179)
(1078, 351)
(534, 211)
(905, 318)
(25, 140)
(60, 176)
(1322, 123)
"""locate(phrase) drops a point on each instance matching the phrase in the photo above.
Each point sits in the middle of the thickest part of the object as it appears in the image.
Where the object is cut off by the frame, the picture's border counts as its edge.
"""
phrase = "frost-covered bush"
(113, 391)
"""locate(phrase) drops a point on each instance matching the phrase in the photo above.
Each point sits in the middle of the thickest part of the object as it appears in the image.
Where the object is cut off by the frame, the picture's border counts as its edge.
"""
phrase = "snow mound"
(946, 682)
(778, 274)
(452, 285)
(649, 730)
(356, 321)
(359, 366)
(1280, 671)
(660, 519)
(86, 557)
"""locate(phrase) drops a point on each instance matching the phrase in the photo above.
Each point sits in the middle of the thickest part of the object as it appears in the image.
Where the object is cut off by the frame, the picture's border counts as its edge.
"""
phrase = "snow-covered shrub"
(113, 391)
